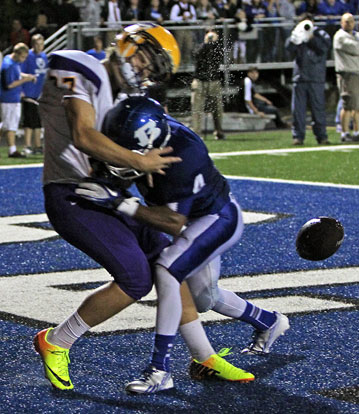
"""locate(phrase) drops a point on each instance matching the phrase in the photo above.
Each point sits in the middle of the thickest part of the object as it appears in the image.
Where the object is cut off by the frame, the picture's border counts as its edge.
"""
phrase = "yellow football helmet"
(156, 43)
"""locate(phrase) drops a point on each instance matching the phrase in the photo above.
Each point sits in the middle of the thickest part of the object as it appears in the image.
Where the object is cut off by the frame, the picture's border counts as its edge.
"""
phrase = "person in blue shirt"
(12, 80)
(194, 204)
(97, 51)
(36, 63)
(328, 9)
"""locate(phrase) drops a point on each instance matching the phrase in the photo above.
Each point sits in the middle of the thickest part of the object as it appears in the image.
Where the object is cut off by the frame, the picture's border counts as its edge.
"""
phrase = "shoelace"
(224, 352)
(62, 361)
(225, 364)
(146, 374)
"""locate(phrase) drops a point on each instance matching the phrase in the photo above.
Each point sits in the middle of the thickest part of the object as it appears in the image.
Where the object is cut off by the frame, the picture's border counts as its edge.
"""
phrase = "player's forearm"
(161, 218)
(97, 145)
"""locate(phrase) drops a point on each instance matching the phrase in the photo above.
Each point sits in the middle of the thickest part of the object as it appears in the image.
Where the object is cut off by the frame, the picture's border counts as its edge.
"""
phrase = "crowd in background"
(249, 42)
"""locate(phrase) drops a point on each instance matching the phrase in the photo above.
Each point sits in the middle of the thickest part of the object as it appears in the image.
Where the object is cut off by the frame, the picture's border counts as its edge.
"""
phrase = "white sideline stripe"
(280, 180)
(227, 154)
(282, 150)
(34, 296)
(10, 167)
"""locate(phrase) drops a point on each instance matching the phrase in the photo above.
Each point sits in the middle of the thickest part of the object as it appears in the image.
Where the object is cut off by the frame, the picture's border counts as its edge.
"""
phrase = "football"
(319, 238)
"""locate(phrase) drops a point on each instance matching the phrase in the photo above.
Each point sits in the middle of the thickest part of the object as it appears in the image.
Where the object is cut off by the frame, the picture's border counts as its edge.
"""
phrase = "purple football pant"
(124, 247)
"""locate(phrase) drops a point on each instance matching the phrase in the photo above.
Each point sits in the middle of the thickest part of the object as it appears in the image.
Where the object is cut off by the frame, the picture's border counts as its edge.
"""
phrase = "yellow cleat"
(55, 359)
(216, 366)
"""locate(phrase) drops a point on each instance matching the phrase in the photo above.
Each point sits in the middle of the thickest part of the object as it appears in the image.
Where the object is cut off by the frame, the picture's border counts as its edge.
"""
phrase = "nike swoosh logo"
(63, 382)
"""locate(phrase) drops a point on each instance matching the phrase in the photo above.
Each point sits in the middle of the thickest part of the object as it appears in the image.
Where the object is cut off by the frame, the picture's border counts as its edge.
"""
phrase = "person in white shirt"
(183, 13)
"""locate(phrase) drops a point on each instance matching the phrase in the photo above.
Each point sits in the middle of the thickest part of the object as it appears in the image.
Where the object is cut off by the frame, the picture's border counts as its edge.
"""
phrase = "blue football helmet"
(139, 124)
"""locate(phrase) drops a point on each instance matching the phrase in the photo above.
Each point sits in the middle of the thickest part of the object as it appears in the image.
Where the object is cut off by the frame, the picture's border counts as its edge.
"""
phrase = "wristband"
(129, 206)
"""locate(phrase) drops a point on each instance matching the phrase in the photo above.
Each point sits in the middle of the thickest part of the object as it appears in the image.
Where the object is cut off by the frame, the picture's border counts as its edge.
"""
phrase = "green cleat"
(55, 360)
(218, 367)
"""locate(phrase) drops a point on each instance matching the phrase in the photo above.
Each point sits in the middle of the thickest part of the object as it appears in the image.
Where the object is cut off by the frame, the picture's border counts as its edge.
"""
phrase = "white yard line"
(282, 151)
(279, 180)
(9, 167)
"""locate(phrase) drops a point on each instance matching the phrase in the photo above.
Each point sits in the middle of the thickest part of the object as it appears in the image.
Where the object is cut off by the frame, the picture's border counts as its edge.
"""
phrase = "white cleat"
(152, 380)
(263, 340)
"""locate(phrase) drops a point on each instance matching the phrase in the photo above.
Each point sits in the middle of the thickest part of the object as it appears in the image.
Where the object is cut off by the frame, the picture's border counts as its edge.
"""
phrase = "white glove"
(295, 38)
(303, 31)
(105, 197)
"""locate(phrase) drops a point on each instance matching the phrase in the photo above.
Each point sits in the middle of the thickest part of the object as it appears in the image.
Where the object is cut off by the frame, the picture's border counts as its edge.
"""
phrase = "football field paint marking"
(41, 297)
(297, 182)
(216, 155)
(10, 167)
(12, 230)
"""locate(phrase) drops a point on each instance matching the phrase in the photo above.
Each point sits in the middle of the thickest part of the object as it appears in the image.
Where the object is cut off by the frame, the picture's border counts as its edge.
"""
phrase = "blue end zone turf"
(312, 369)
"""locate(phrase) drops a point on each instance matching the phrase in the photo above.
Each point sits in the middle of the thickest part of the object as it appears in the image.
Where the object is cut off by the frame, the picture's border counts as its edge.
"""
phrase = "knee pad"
(205, 300)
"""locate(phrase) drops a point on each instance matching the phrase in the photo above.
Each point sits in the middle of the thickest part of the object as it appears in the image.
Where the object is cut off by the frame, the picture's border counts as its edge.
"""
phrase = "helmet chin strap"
(131, 77)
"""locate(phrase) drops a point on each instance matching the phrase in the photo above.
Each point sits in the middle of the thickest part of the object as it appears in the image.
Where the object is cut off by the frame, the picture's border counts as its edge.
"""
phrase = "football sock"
(169, 308)
(229, 304)
(196, 340)
(161, 351)
(169, 311)
(257, 317)
(65, 334)
(356, 133)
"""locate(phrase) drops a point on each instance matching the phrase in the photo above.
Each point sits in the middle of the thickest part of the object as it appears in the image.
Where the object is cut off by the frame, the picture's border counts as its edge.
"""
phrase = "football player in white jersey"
(76, 96)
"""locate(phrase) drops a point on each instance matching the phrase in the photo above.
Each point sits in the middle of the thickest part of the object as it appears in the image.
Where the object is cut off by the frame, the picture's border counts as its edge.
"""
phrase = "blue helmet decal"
(139, 124)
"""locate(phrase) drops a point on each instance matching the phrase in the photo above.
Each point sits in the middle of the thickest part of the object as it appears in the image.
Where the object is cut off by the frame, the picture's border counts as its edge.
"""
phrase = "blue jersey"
(10, 72)
(98, 55)
(193, 187)
(35, 64)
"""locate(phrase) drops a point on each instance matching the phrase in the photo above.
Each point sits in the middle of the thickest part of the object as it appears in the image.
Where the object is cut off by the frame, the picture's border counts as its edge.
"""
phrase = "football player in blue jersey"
(78, 92)
(193, 203)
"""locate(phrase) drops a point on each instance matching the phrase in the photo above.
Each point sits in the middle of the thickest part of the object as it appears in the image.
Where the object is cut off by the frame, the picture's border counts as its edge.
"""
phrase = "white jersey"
(72, 74)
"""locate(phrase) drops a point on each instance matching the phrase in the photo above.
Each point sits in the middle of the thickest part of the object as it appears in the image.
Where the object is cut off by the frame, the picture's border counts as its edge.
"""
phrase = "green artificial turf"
(340, 166)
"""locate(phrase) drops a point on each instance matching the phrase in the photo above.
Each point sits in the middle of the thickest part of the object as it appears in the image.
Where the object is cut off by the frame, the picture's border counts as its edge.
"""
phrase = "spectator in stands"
(331, 8)
(133, 12)
(19, 34)
(97, 51)
(184, 13)
(307, 6)
(36, 63)
(220, 7)
(206, 12)
(90, 13)
(270, 34)
(156, 13)
(346, 57)
(41, 26)
(12, 80)
(206, 84)
(239, 44)
(309, 47)
(112, 15)
(351, 6)
(257, 103)
(286, 9)
(67, 13)
(256, 11)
